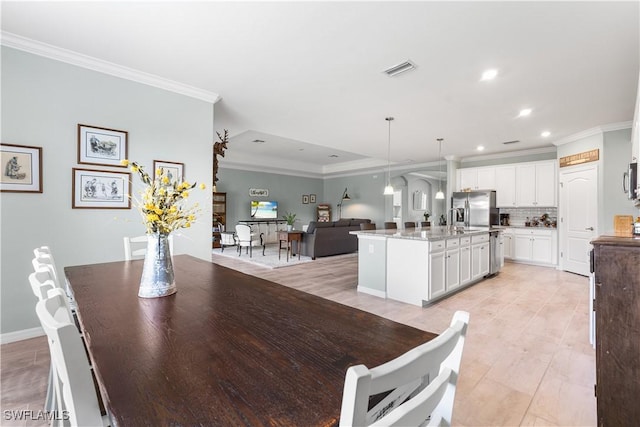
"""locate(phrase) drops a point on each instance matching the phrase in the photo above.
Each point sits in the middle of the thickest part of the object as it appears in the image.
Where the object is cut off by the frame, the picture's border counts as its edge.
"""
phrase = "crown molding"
(598, 130)
(509, 154)
(74, 58)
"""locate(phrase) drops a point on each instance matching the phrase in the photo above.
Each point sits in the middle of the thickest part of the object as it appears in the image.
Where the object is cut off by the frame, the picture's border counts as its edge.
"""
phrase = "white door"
(453, 269)
(578, 220)
(437, 284)
(526, 185)
(465, 264)
(546, 184)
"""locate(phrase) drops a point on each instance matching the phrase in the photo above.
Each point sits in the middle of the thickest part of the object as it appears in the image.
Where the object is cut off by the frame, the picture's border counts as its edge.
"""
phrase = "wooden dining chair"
(136, 247)
(390, 226)
(75, 390)
(424, 224)
(421, 384)
(410, 224)
(367, 226)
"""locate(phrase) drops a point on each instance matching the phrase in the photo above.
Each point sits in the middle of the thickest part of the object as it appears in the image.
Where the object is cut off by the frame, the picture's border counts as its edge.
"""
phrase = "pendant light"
(439, 194)
(388, 189)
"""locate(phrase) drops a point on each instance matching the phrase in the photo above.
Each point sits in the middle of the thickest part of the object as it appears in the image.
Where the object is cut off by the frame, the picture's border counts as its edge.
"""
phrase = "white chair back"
(245, 237)
(41, 282)
(75, 389)
(136, 247)
(422, 383)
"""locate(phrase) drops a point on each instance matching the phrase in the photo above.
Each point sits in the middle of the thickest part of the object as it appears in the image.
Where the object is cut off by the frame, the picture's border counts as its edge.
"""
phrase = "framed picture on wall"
(312, 198)
(174, 170)
(93, 189)
(101, 146)
(21, 168)
(305, 199)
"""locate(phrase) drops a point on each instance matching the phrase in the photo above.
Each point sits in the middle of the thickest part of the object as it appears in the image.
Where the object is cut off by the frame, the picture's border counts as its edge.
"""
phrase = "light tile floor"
(527, 360)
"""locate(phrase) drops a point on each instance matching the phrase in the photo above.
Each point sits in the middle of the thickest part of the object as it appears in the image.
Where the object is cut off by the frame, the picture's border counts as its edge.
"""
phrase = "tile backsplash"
(518, 216)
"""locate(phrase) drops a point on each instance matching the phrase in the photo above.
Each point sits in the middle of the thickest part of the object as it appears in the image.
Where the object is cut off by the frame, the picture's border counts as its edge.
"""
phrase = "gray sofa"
(331, 238)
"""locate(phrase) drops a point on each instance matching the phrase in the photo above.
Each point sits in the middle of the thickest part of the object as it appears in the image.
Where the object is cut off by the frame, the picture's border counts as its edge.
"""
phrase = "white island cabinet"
(418, 267)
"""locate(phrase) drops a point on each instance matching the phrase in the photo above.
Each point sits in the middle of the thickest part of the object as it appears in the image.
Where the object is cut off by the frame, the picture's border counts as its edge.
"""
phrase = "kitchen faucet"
(452, 226)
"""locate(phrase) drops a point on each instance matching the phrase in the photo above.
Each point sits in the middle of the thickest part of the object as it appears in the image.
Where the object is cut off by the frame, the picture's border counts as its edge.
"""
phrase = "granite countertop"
(538, 227)
(430, 234)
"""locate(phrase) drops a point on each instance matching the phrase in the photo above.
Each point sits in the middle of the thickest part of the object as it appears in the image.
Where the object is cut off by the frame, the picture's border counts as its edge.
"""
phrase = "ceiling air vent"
(400, 68)
(511, 142)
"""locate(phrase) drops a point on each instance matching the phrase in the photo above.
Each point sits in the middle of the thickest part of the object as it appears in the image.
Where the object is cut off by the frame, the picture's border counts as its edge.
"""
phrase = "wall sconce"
(344, 197)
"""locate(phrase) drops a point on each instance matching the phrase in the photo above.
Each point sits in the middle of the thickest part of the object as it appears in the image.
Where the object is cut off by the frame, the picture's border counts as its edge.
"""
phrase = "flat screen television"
(264, 209)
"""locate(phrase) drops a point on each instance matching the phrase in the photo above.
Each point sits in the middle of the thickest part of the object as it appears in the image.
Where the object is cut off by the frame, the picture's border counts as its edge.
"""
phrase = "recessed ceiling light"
(525, 112)
(489, 74)
(545, 134)
(480, 147)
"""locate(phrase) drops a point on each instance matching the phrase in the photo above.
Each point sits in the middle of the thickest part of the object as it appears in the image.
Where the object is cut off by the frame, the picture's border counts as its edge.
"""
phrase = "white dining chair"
(136, 247)
(247, 239)
(44, 257)
(421, 382)
(75, 390)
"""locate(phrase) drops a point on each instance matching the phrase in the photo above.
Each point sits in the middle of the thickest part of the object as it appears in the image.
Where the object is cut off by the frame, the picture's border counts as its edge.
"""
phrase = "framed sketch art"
(173, 169)
(21, 167)
(101, 146)
(94, 189)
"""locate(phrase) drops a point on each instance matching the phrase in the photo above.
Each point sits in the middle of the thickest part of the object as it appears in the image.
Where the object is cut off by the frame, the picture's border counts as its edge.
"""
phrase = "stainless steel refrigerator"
(474, 209)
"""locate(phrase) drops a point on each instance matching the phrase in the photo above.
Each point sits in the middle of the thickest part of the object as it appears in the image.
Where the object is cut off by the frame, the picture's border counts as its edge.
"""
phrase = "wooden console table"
(288, 237)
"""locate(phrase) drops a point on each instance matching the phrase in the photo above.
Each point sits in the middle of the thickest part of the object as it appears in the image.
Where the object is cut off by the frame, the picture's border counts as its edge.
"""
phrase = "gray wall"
(42, 103)
(287, 190)
(367, 200)
(616, 159)
(615, 152)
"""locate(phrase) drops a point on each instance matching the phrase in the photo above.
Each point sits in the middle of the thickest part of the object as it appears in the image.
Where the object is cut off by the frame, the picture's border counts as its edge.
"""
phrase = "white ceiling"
(306, 77)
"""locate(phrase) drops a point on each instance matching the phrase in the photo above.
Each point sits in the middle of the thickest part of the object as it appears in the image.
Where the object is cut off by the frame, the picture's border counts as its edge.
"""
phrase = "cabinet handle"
(589, 228)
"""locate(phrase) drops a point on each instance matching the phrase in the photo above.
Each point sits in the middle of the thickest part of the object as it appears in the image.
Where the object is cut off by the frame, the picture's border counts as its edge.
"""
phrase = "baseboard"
(375, 293)
(24, 334)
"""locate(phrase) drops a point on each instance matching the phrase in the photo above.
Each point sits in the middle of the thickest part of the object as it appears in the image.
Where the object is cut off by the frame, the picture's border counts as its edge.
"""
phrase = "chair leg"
(50, 400)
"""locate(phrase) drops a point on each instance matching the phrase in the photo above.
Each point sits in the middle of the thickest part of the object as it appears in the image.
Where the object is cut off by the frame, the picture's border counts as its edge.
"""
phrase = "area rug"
(269, 260)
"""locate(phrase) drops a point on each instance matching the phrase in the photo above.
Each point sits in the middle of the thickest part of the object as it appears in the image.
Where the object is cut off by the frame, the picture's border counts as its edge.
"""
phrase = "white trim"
(24, 334)
(74, 58)
(598, 130)
(509, 154)
(369, 291)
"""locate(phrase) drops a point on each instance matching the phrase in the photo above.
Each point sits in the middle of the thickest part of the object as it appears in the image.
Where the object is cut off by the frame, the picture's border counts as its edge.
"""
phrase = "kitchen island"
(423, 265)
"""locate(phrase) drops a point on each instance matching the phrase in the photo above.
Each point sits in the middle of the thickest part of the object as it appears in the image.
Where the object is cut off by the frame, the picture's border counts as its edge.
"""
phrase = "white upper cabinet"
(477, 178)
(536, 184)
(531, 184)
(505, 186)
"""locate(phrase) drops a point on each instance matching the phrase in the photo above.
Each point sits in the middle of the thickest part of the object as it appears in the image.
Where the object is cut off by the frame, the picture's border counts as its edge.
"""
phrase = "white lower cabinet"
(452, 264)
(479, 256)
(437, 281)
(537, 246)
(507, 243)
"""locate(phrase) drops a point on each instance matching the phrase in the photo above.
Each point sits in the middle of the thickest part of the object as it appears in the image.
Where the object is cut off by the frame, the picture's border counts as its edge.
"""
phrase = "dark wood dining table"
(227, 349)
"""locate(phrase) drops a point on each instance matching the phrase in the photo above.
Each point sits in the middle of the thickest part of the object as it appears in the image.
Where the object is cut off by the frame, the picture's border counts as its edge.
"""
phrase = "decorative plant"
(426, 215)
(289, 217)
(162, 201)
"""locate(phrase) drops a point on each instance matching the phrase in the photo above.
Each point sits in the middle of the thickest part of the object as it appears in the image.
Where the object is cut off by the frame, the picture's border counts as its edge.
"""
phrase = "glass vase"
(157, 273)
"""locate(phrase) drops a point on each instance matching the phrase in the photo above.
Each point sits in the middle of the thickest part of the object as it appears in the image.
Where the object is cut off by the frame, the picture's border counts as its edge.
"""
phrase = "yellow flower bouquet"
(161, 203)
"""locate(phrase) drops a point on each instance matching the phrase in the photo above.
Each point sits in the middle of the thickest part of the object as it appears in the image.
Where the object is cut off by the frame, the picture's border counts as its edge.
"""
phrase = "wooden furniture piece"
(288, 237)
(219, 209)
(419, 387)
(323, 213)
(368, 226)
(409, 224)
(390, 225)
(617, 298)
(226, 349)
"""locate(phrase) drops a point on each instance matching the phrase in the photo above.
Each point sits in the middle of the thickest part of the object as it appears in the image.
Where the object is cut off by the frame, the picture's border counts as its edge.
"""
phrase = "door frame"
(562, 230)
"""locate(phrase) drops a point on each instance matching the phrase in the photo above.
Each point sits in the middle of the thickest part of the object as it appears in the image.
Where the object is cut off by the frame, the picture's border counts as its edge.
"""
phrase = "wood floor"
(527, 360)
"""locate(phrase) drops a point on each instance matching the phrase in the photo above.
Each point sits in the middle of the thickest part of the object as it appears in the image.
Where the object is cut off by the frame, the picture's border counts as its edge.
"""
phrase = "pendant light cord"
(440, 165)
(389, 119)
